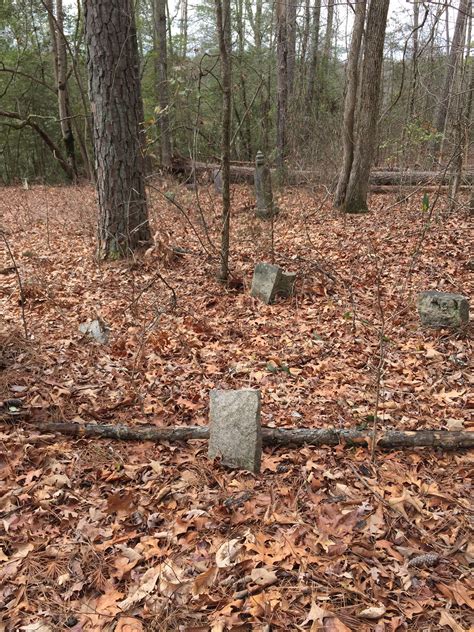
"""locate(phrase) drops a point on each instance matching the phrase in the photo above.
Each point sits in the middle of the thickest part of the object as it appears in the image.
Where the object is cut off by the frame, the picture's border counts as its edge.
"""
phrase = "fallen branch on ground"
(391, 439)
(245, 173)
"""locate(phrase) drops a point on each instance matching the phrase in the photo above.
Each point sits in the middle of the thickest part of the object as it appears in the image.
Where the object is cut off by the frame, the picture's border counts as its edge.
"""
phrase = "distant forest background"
(427, 68)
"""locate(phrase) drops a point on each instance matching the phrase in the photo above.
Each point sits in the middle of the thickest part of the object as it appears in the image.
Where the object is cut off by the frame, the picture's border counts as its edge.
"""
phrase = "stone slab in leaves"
(235, 428)
(442, 309)
(270, 281)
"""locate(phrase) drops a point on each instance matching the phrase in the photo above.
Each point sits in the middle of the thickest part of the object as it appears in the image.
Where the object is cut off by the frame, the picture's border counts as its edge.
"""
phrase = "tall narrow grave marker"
(263, 188)
(235, 429)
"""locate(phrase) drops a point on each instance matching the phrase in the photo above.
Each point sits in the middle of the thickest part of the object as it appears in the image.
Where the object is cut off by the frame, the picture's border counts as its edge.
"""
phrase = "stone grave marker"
(442, 309)
(235, 429)
(270, 281)
(96, 329)
(263, 188)
(217, 179)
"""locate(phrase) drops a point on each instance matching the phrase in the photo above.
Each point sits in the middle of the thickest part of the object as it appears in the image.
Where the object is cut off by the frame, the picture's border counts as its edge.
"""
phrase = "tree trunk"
(452, 68)
(282, 84)
(350, 102)
(414, 63)
(291, 58)
(313, 67)
(56, 28)
(161, 70)
(244, 123)
(355, 200)
(223, 19)
(114, 88)
(321, 96)
(183, 27)
(463, 88)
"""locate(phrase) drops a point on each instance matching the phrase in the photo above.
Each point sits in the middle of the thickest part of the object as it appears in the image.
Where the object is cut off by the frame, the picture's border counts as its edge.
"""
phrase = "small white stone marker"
(442, 309)
(235, 429)
(96, 329)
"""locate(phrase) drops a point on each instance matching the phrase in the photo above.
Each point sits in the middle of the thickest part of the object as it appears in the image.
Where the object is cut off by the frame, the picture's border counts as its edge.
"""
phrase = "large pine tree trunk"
(160, 32)
(114, 88)
(355, 200)
(350, 102)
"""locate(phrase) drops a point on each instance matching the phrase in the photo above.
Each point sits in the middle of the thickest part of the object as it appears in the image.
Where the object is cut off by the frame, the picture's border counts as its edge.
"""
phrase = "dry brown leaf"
(324, 619)
(228, 552)
(373, 612)
(448, 620)
(129, 624)
(146, 586)
(204, 581)
(263, 576)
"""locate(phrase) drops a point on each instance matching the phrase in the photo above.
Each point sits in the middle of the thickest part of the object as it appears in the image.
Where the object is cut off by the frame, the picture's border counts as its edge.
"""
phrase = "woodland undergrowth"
(100, 535)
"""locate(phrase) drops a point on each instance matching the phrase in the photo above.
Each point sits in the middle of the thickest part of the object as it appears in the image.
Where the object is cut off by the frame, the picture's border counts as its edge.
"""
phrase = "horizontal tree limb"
(245, 173)
(393, 439)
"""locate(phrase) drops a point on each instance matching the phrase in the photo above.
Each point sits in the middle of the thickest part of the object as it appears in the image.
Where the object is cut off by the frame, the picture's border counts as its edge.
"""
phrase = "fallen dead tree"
(390, 439)
(245, 173)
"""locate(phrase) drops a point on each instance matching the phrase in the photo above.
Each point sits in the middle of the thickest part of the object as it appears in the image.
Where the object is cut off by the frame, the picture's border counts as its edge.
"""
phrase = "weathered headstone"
(217, 178)
(270, 281)
(442, 309)
(235, 429)
(96, 329)
(263, 188)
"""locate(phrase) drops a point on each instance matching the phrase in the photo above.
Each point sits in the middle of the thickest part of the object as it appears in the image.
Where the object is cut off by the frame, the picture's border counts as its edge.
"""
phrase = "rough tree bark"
(355, 200)
(114, 88)
(350, 102)
(161, 70)
(223, 19)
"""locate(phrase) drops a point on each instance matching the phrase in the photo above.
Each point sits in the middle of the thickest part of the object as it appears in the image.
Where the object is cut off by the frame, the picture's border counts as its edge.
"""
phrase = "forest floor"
(104, 535)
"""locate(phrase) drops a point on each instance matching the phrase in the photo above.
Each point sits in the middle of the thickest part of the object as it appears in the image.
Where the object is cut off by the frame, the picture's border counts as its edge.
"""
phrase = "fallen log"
(391, 189)
(390, 439)
(245, 173)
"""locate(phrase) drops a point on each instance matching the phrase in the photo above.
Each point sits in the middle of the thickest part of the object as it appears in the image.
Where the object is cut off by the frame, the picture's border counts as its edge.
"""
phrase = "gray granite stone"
(270, 281)
(217, 178)
(235, 429)
(263, 189)
(442, 309)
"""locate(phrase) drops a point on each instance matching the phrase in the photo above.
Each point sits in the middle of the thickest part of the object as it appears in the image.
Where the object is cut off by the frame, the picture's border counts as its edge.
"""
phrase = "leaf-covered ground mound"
(101, 535)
